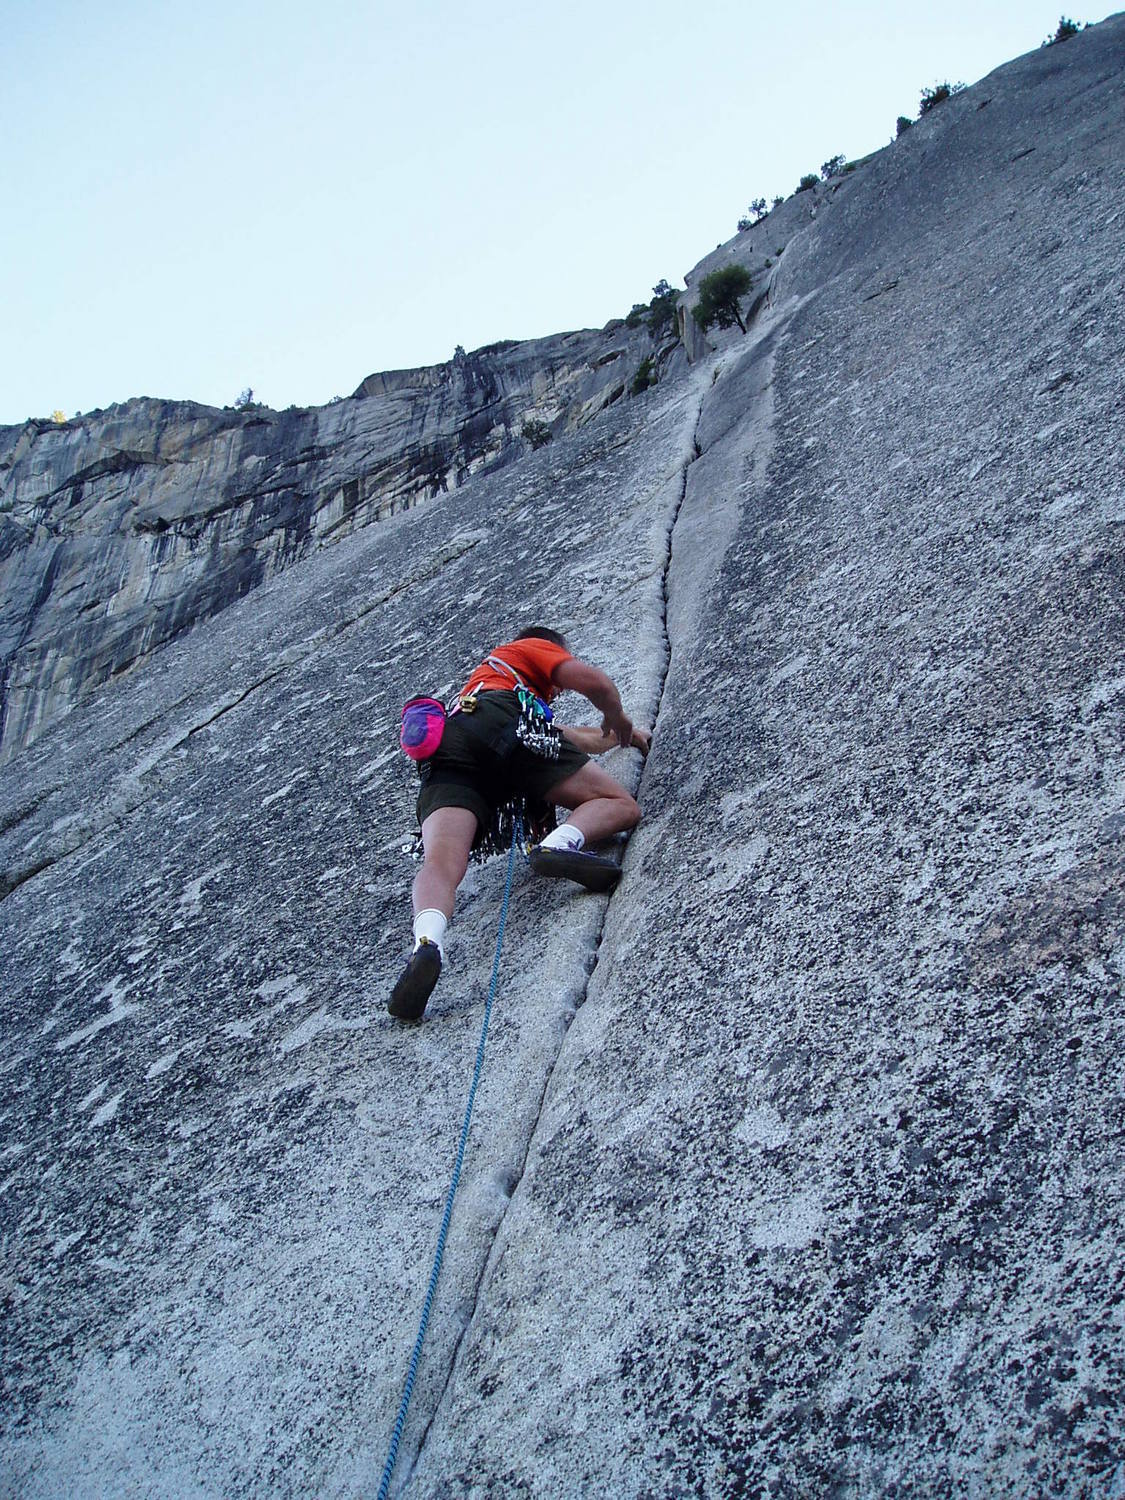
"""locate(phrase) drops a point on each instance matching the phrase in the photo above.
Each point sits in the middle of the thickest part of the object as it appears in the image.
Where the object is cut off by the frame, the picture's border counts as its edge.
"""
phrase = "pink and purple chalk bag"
(423, 723)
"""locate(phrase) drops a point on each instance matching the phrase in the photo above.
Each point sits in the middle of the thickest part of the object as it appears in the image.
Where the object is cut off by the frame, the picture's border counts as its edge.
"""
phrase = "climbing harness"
(536, 727)
(412, 1371)
(424, 721)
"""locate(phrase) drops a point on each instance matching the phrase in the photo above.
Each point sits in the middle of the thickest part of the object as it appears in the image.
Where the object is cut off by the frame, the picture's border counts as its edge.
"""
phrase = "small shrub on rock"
(643, 377)
(662, 309)
(536, 433)
(809, 180)
(777, 202)
(833, 167)
(940, 92)
(245, 399)
(658, 314)
(719, 295)
(1066, 29)
(755, 213)
(902, 125)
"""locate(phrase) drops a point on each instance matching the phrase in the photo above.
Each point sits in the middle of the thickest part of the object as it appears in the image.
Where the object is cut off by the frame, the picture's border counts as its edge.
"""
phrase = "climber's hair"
(541, 633)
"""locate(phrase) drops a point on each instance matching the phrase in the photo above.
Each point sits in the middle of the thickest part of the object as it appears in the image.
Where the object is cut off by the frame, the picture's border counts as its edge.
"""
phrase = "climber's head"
(541, 633)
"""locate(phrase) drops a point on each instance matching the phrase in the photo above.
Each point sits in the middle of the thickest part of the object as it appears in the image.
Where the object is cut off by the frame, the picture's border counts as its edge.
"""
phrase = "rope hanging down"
(412, 1371)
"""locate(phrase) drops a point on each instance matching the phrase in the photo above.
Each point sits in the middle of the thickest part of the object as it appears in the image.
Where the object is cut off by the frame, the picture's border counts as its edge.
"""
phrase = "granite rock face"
(121, 529)
(796, 1167)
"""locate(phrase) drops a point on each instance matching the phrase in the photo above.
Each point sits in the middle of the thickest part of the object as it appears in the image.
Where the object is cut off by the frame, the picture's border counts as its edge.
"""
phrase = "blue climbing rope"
(412, 1371)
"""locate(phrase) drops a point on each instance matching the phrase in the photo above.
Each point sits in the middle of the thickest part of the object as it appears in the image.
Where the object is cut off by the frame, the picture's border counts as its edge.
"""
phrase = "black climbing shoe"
(416, 983)
(593, 871)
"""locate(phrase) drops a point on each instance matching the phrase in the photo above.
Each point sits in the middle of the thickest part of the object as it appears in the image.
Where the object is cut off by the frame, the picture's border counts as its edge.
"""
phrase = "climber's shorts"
(481, 765)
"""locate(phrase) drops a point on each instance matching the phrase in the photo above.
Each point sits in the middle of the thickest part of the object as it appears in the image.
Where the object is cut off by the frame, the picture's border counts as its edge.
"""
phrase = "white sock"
(565, 836)
(430, 924)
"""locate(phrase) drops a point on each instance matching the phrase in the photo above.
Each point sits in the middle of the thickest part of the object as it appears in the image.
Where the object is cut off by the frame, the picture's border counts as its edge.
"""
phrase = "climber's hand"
(641, 740)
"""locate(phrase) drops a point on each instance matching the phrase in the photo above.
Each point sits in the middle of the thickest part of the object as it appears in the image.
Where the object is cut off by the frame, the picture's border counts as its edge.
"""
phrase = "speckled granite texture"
(797, 1164)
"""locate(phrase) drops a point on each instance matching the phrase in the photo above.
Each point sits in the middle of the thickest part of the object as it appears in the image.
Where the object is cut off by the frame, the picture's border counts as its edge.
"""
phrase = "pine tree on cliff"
(719, 295)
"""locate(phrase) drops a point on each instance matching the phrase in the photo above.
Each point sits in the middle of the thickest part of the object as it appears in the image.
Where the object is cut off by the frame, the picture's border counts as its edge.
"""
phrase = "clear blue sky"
(201, 197)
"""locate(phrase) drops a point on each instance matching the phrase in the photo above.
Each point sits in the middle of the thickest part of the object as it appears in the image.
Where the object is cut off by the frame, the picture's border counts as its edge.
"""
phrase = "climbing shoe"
(416, 982)
(593, 871)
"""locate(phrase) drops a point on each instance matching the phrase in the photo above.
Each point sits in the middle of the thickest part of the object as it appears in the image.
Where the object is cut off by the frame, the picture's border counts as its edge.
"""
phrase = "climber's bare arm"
(592, 683)
(597, 741)
(617, 728)
(592, 741)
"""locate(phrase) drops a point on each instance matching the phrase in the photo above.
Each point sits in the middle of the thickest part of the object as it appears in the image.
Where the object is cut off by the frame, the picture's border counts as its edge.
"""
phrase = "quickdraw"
(536, 728)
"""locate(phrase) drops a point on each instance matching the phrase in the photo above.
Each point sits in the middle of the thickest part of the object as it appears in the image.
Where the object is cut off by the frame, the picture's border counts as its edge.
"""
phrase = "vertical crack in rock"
(696, 452)
(595, 950)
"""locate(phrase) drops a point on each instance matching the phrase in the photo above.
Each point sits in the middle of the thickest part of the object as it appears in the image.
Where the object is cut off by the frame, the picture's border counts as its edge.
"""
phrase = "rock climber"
(501, 745)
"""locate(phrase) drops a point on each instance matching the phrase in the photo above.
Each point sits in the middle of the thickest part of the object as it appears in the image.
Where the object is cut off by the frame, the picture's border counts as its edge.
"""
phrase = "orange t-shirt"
(533, 658)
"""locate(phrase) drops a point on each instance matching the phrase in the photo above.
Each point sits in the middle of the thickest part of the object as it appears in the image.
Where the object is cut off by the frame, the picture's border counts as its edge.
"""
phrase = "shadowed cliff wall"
(121, 529)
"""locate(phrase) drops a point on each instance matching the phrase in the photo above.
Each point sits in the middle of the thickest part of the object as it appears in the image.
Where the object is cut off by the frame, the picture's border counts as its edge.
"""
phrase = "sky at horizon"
(289, 197)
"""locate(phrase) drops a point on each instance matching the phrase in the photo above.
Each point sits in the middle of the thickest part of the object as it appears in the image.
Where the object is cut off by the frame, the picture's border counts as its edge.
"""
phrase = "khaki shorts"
(481, 765)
